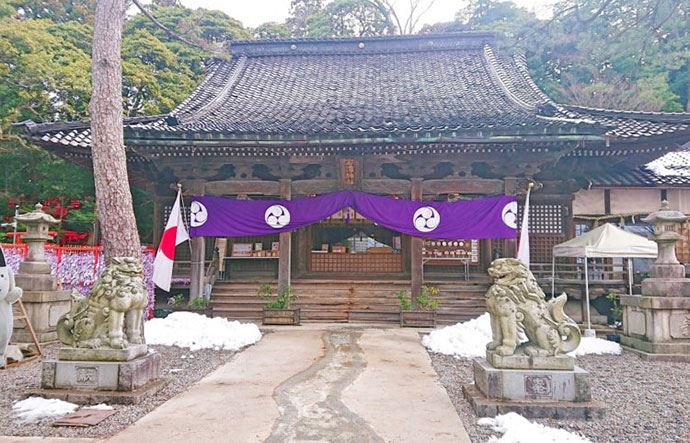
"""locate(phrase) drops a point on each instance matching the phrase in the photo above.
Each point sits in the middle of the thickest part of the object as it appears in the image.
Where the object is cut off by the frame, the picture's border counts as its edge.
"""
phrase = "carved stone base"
(107, 355)
(536, 393)
(566, 410)
(101, 376)
(531, 384)
(560, 362)
(93, 397)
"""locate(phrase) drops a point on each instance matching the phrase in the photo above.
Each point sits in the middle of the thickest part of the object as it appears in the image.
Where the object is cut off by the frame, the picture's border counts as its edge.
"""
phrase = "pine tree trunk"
(119, 234)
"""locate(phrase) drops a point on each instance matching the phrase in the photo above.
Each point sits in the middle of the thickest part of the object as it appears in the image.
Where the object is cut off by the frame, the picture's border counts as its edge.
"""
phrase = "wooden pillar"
(485, 253)
(568, 218)
(302, 252)
(510, 188)
(198, 247)
(157, 221)
(285, 242)
(416, 245)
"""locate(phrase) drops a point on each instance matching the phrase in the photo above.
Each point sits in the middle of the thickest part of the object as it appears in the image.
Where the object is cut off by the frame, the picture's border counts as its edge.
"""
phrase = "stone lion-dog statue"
(115, 305)
(518, 308)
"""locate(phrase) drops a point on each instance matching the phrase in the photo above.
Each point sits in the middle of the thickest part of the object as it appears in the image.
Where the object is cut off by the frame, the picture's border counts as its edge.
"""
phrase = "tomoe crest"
(277, 216)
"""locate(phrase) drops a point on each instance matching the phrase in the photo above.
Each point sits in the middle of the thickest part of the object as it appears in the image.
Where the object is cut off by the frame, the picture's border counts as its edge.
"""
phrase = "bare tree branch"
(172, 34)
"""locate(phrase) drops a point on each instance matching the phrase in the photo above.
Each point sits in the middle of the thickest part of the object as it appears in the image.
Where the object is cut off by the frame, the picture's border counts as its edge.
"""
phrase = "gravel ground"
(18, 380)
(645, 401)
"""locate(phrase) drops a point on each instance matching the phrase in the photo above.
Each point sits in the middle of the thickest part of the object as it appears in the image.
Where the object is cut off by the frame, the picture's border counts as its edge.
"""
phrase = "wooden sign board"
(242, 249)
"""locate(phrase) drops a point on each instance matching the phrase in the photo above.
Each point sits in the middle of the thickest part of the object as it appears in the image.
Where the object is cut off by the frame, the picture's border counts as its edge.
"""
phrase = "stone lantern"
(37, 224)
(43, 302)
(655, 324)
(666, 223)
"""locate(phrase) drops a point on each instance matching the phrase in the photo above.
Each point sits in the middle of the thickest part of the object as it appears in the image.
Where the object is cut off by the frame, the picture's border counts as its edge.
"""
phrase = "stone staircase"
(330, 300)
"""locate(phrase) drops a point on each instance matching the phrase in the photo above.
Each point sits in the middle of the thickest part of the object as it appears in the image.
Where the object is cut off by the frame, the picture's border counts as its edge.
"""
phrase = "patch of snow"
(593, 345)
(34, 409)
(469, 339)
(517, 429)
(100, 407)
(175, 370)
(195, 331)
(673, 164)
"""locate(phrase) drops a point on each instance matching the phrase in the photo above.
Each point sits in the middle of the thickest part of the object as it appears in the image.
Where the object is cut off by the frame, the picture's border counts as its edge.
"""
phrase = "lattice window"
(541, 247)
(167, 209)
(544, 218)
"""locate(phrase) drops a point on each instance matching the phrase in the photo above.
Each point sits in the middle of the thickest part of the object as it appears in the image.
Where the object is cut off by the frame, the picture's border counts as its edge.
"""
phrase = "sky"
(255, 12)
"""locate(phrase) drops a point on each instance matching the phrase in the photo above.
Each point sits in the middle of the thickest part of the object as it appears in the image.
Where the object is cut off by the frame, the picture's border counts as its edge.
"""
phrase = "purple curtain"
(492, 217)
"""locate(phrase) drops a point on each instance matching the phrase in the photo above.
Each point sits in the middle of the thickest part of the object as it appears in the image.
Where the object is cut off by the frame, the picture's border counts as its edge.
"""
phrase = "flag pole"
(183, 213)
(523, 247)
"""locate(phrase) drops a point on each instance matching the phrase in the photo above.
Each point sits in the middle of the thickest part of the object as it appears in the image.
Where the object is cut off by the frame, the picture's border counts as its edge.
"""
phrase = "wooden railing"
(576, 271)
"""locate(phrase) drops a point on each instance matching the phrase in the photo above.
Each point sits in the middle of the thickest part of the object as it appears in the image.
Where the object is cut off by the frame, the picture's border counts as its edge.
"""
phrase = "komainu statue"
(114, 305)
(518, 308)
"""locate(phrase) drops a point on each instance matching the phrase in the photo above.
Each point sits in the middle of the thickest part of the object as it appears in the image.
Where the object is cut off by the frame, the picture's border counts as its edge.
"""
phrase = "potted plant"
(425, 314)
(279, 311)
(615, 315)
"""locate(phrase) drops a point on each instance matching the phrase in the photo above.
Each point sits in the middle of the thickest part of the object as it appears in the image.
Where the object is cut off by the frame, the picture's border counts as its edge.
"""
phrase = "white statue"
(9, 294)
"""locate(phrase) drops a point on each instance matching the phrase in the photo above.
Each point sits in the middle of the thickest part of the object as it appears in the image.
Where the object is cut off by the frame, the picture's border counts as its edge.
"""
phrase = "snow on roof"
(672, 164)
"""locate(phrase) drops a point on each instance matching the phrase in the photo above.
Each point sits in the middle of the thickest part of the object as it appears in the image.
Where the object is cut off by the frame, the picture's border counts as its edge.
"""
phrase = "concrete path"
(304, 384)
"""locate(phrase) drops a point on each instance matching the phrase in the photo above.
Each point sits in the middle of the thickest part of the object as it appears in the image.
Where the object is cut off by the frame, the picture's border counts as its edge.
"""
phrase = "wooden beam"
(309, 187)
(463, 186)
(285, 242)
(234, 187)
(386, 186)
(416, 245)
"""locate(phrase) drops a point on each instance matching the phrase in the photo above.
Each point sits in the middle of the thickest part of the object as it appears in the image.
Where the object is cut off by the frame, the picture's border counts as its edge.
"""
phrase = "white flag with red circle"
(174, 234)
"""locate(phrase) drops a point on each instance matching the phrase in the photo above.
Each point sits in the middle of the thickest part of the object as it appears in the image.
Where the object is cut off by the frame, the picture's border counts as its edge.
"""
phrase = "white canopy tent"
(606, 241)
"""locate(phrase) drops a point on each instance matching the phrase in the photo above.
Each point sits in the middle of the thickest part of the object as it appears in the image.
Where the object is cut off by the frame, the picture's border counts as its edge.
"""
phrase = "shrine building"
(426, 117)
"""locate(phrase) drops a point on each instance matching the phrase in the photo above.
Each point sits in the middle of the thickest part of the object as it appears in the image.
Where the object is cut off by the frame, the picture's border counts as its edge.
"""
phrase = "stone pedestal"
(559, 362)
(43, 308)
(533, 393)
(43, 302)
(656, 325)
(124, 382)
(657, 328)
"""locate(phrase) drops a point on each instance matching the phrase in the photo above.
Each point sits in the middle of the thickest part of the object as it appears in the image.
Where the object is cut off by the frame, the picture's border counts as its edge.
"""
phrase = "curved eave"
(139, 137)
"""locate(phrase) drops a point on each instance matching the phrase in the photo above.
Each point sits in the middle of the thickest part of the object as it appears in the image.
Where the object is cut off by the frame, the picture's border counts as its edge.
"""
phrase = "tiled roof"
(672, 169)
(380, 87)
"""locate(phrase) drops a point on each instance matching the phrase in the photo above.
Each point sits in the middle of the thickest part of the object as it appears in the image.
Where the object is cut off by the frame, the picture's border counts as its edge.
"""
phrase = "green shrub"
(425, 302)
(403, 297)
(616, 312)
(283, 300)
(198, 303)
(176, 300)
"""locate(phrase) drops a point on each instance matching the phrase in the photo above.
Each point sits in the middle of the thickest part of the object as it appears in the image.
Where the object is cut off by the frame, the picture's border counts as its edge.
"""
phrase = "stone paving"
(304, 384)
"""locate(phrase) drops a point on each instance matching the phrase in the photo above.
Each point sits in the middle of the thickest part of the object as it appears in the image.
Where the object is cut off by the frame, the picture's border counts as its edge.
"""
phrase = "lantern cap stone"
(666, 215)
(37, 216)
